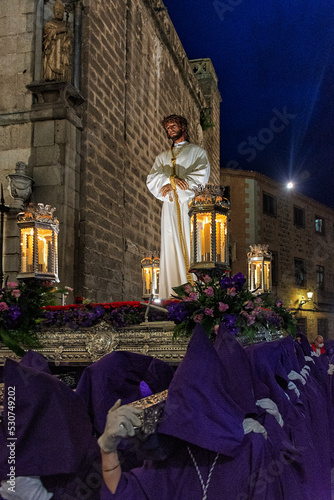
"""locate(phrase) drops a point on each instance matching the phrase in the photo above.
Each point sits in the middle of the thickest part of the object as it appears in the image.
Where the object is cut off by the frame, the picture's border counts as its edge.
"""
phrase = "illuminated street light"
(290, 185)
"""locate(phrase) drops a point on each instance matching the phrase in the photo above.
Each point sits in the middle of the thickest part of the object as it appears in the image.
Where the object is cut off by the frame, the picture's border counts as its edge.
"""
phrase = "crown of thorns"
(180, 120)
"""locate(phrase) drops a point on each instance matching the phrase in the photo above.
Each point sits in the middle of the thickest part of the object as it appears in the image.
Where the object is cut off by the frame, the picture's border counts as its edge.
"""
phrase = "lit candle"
(207, 240)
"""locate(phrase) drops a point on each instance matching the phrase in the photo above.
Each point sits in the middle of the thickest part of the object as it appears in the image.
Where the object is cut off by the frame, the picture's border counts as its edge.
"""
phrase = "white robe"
(192, 164)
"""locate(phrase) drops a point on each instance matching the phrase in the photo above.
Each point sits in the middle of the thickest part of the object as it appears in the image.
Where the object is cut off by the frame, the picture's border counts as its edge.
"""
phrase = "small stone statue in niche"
(57, 47)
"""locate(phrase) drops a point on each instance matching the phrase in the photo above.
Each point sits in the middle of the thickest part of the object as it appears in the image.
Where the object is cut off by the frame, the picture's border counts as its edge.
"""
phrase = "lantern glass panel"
(267, 276)
(155, 283)
(257, 275)
(221, 237)
(27, 250)
(192, 256)
(55, 235)
(44, 248)
(147, 280)
(203, 237)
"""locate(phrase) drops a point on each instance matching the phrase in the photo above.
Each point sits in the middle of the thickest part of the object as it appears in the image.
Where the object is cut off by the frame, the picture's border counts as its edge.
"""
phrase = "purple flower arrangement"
(117, 314)
(211, 301)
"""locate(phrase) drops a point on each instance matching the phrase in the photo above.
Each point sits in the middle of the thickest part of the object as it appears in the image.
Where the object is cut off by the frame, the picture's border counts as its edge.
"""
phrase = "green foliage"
(20, 305)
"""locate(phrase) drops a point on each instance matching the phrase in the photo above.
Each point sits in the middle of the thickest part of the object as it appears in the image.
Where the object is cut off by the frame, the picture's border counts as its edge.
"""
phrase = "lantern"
(39, 243)
(150, 275)
(208, 213)
(259, 269)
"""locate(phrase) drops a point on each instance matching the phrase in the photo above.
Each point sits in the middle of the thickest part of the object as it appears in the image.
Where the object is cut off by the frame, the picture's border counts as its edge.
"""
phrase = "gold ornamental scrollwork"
(85, 345)
(102, 343)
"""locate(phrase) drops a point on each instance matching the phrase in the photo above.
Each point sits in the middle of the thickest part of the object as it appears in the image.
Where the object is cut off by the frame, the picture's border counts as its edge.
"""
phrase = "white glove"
(308, 358)
(26, 488)
(304, 372)
(330, 369)
(296, 376)
(293, 387)
(270, 407)
(121, 423)
(251, 425)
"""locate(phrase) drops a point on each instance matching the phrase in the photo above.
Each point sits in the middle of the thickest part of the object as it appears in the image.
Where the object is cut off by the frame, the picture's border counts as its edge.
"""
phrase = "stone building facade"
(299, 232)
(90, 143)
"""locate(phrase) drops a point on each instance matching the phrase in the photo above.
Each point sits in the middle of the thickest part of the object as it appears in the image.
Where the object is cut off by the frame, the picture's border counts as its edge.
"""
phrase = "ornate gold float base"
(63, 346)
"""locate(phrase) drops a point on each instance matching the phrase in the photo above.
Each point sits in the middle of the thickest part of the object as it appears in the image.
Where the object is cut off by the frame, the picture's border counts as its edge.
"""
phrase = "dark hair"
(180, 120)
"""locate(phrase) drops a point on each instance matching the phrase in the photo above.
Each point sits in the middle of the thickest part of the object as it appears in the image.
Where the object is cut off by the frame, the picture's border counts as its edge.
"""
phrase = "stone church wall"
(137, 72)
(90, 158)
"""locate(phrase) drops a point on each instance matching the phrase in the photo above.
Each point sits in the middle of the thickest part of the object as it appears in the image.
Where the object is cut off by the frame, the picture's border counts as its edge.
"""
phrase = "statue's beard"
(174, 136)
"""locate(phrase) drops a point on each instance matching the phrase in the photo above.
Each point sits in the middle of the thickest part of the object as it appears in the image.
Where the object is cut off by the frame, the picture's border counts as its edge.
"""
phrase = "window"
(300, 273)
(320, 271)
(226, 190)
(302, 325)
(323, 327)
(269, 204)
(274, 268)
(319, 225)
(298, 217)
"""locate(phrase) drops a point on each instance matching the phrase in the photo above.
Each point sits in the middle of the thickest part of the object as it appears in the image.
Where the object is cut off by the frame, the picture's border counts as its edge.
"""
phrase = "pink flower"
(279, 303)
(47, 284)
(12, 284)
(223, 307)
(248, 304)
(209, 292)
(193, 296)
(215, 329)
(208, 311)
(207, 279)
(198, 318)
(3, 306)
(231, 291)
(16, 293)
(249, 317)
(258, 300)
(250, 320)
(188, 288)
(256, 311)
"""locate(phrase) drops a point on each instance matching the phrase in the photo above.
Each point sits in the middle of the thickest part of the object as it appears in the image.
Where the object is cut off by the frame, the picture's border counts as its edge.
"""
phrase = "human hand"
(166, 189)
(271, 408)
(26, 488)
(121, 423)
(251, 425)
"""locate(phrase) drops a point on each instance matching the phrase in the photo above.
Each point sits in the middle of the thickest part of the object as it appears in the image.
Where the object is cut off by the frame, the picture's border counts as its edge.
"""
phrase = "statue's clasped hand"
(178, 182)
(122, 422)
(175, 182)
(166, 189)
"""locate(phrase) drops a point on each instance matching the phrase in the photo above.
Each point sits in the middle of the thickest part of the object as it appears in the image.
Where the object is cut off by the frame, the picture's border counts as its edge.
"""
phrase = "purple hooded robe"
(268, 362)
(204, 418)
(283, 471)
(53, 431)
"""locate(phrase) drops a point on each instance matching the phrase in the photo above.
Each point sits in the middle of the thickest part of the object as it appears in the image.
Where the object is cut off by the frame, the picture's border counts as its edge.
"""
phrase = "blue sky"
(275, 63)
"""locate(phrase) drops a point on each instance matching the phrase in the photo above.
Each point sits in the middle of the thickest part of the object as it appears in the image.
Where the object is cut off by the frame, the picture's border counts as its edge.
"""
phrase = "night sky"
(275, 63)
